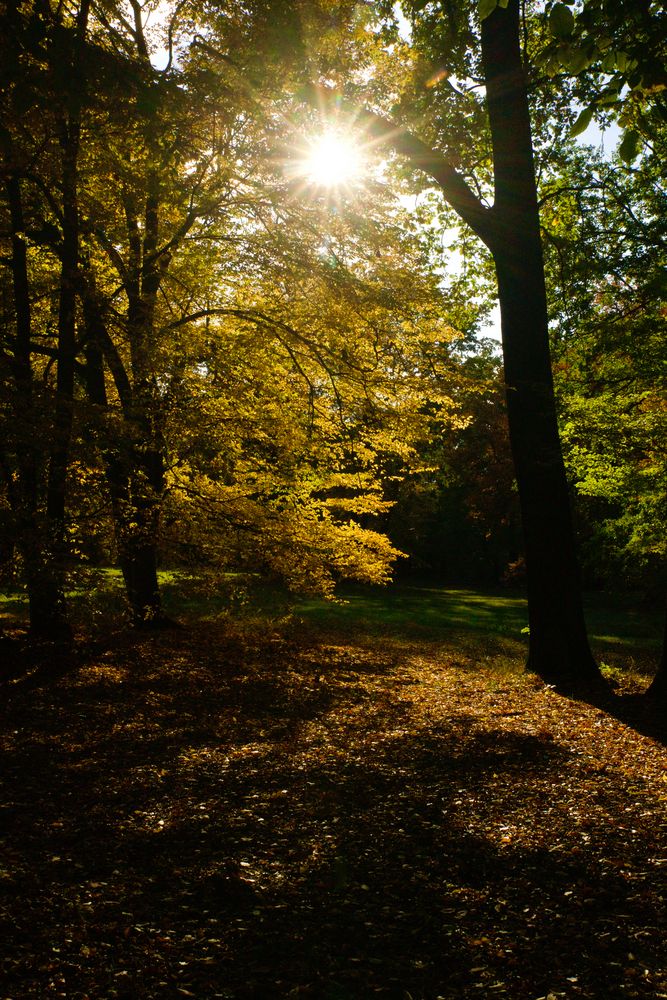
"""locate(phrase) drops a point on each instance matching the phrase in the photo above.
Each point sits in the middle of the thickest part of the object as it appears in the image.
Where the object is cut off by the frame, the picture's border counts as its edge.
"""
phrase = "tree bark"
(658, 686)
(559, 650)
(138, 542)
(44, 584)
(134, 476)
(70, 138)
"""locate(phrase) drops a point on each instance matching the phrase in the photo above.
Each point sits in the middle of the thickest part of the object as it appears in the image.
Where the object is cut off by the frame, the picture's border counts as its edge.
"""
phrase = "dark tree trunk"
(70, 138)
(658, 687)
(134, 476)
(559, 650)
(139, 566)
(137, 533)
(64, 398)
(138, 539)
(46, 602)
(558, 644)
(43, 582)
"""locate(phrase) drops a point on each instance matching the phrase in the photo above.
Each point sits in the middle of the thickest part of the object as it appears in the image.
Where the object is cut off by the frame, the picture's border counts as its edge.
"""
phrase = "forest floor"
(278, 812)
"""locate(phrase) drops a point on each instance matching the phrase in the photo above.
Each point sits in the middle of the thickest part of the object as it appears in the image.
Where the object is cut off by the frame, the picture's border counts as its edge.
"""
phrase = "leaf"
(561, 21)
(608, 64)
(609, 96)
(623, 62)
(629, 147)
(582, 122)
(486, 7)
(575, 59)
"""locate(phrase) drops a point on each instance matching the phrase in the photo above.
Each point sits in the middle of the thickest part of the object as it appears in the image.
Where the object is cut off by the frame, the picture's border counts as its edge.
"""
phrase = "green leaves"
(583, 121)
(611, 94)
(561, 21)
(631, 142)
(486, 7)
(630, 145)
(576, 58)
(620, 61)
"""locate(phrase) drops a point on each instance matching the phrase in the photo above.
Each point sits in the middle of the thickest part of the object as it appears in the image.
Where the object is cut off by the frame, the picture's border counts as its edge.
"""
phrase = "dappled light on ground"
(246, 816)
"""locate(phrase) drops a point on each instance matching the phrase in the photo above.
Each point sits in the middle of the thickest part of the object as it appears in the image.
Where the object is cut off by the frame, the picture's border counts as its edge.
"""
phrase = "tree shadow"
(159, 851)
(640, 712)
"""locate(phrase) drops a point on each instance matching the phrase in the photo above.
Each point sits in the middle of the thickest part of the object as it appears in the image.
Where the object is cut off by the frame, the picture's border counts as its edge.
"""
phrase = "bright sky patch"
(332, 160)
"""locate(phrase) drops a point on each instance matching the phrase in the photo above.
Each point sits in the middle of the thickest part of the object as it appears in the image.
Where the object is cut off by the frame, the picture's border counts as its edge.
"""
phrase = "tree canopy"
(214, 357)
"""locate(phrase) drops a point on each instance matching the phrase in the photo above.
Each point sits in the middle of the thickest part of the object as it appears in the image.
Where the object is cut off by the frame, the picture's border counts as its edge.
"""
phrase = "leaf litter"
(196, 814)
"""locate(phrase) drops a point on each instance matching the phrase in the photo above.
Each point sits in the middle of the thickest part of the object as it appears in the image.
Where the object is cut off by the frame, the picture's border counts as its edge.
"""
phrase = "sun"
(332, 160)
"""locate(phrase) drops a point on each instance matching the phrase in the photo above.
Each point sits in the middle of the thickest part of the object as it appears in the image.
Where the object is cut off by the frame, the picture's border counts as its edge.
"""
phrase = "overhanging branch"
(454, 187)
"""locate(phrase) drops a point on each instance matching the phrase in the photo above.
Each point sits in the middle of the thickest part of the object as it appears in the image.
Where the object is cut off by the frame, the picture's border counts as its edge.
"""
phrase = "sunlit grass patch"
(13, 604)
(483, 629)
(421, 610)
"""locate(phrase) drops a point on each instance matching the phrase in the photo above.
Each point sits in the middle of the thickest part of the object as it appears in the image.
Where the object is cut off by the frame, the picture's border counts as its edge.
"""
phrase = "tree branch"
(455, 189)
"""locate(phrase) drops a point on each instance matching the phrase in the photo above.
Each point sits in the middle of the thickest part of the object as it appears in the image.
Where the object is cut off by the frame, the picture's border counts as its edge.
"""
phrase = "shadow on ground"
(194, 816)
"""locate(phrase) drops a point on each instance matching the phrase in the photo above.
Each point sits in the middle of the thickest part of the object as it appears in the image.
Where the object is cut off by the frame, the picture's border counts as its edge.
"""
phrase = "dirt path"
(195, 814)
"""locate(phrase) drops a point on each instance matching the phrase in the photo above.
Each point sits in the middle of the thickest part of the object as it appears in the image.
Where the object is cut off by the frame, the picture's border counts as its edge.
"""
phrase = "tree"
(237, 282)
(559, 649)
(616, 55)
(246, 362)
(40, 167)
(605, 237)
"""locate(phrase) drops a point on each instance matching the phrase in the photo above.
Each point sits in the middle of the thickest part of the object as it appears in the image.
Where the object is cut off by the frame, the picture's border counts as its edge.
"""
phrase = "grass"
(425, 610)
(619, 631)
(491, 622)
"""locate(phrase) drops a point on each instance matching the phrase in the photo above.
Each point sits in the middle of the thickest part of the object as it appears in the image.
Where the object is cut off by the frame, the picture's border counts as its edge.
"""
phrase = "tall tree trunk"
(138, 542)
(44, 584)
(64, 396)
(559, 650)
(70, 140)
(134, 475)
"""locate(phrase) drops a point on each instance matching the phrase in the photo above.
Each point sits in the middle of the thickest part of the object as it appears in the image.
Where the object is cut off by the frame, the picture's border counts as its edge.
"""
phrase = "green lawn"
(411, 611)
(431, 610)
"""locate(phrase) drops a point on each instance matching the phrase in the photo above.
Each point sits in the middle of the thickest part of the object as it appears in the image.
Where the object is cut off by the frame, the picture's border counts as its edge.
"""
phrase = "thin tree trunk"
(64, 396)
(138, 542)
(43, 583)
(138, 538)
(70, 140)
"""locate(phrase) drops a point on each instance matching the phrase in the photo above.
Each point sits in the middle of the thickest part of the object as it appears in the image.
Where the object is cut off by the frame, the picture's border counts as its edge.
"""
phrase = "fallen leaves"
(335, 821)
